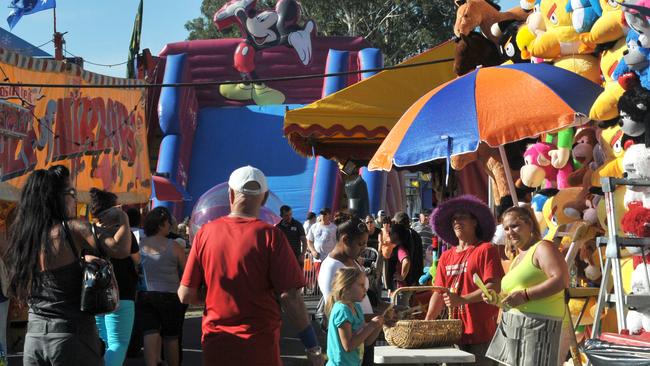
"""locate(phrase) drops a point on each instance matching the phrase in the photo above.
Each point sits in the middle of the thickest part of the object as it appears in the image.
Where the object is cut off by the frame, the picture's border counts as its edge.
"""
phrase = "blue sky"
(100, 30)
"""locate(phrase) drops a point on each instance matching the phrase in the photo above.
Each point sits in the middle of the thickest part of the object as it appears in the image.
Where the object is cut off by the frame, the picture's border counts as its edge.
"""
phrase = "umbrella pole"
(511, 183)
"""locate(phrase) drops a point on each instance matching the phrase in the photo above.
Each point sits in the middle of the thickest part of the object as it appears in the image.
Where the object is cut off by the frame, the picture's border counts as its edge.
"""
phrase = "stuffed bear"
(474, 50)
(636, 59)
(483, 13)
(636, 163)
(634, 107)
(605, 108)
(583, 154)
(638, 320)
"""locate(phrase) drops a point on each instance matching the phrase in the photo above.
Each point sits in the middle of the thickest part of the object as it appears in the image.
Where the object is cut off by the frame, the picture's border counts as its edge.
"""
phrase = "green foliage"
(400, 28)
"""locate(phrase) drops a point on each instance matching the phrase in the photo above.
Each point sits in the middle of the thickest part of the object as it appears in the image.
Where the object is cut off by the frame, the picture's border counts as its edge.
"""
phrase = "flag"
(26, 7)
(134, 48)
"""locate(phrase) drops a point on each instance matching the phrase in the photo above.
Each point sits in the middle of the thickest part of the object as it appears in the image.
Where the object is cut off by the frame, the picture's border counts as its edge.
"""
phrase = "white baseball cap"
(246, 174)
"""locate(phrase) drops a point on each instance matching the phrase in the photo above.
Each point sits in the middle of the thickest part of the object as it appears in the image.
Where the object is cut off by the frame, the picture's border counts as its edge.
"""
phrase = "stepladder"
(614, 243)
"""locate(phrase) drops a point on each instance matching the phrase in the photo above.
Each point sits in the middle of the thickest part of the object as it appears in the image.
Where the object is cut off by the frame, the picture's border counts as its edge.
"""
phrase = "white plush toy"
(640, 318)
(636, 164)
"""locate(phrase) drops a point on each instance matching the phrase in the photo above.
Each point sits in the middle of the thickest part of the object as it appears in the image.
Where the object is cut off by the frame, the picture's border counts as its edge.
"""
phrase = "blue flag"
(26, 7)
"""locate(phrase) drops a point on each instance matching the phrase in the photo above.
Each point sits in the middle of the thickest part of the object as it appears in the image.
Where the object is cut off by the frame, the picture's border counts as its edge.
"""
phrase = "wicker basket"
(423, 333)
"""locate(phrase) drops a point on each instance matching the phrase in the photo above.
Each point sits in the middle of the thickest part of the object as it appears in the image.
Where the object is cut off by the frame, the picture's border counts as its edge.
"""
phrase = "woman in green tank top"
(533, 294)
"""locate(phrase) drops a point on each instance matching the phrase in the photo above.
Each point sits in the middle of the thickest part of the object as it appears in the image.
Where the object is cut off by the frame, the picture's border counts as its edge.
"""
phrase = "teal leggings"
(115, 329)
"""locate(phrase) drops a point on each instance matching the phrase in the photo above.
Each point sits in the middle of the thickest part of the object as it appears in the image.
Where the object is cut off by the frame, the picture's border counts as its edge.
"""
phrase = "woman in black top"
(115, 328)
(44, 270)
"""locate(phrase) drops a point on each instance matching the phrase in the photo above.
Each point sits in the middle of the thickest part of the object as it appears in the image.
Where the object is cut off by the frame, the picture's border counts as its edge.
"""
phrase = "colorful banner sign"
(99, 134)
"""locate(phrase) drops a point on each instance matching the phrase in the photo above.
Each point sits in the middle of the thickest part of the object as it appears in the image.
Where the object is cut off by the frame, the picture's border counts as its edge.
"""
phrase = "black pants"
(59, 342)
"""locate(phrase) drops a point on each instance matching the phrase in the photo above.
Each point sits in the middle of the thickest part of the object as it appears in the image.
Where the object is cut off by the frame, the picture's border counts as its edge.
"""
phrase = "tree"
(400, 28)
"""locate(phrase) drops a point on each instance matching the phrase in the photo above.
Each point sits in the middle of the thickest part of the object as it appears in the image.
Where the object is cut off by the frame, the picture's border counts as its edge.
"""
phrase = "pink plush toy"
(538, 168)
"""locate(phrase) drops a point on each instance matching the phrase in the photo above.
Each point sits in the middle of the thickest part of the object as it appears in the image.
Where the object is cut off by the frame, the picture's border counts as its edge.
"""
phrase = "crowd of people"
(245, 272)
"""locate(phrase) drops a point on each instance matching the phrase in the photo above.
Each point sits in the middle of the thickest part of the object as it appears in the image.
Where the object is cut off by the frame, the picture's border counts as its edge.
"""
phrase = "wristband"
(308, 337)
(526, 295)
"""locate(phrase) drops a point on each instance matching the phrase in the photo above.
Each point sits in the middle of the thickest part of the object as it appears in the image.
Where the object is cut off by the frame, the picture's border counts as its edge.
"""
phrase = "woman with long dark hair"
(45, 271)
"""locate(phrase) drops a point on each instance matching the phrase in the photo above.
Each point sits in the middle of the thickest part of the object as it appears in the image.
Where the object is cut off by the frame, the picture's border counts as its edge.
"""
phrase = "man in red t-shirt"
(244, 265)
(468, 225)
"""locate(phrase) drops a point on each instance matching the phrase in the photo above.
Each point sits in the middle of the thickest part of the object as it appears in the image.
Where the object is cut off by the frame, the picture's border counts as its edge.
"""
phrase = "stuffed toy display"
(483, 13)
(609, 27)
(563, 140)
(611, 141)
(539, 171)
(605, 106)
(637, 60)
(634, 107)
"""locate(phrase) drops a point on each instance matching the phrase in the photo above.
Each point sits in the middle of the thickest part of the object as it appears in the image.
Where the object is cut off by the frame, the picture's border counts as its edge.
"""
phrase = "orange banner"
(99, 134)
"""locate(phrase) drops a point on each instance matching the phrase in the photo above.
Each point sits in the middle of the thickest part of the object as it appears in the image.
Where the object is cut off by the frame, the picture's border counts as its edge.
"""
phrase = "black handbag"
(99, 291)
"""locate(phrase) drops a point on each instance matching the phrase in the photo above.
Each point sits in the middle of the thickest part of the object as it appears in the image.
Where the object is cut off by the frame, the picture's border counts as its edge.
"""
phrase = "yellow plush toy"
(560, 42)
(609, 27)
(605, 107)
(611, 141)
(554, 213)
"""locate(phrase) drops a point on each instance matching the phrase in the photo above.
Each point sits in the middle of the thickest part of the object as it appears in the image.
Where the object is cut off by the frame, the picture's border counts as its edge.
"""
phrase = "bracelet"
(314, 351)
(526, 294)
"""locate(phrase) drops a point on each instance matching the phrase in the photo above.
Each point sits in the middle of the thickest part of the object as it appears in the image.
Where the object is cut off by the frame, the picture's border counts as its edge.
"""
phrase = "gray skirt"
(521, 340)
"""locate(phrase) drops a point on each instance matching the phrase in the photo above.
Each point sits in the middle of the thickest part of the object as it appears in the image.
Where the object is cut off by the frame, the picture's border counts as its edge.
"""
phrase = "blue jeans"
(115, 329)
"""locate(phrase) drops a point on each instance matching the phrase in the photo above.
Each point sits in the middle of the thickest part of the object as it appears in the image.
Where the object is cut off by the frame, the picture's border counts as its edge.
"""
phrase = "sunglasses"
(72, 192)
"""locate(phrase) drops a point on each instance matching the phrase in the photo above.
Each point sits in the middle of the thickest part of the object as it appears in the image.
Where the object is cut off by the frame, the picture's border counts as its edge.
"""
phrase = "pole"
(58, 41)
(511, 183)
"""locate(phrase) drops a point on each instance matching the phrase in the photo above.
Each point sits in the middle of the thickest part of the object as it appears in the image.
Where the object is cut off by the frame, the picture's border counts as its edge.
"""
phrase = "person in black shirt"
(294, 232)
(115, 328)
(373, 233)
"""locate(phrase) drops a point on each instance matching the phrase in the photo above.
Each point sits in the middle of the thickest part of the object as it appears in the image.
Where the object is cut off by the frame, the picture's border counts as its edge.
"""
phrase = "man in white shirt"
(311, 220)
(321, 238)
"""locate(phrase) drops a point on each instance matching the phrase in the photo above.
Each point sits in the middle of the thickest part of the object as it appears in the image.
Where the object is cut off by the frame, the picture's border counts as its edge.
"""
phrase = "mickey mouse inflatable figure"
(262, 30)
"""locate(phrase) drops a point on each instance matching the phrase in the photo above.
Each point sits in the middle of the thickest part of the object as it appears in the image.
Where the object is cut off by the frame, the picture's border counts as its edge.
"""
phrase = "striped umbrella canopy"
(497, 105)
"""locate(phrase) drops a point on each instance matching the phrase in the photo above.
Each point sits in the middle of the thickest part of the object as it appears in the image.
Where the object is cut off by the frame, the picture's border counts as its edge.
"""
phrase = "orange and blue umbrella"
(497, 105)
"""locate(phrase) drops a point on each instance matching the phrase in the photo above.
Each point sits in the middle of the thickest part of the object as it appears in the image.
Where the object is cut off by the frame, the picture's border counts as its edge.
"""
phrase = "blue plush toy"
(429, 272)
(584, 14)
(636, 59)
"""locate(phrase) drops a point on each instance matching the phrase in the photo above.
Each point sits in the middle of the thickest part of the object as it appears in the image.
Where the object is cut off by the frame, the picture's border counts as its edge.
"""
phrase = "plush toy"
(584, 14)
(538, 170)
(554, 210)
(637, 17)
(560, 42)
(537, 204)
(636, 59)
(583, 154)
(609, 27)
(563, 140)
(604, 108)
(634, 107)
(506, 32)
(638, 320)
(483, 13)
(474, 50)
(490, 160)
(611, 141)
(636, 163)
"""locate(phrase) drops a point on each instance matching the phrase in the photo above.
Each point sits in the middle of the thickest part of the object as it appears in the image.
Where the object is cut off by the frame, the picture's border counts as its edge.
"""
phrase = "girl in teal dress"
(347, 331)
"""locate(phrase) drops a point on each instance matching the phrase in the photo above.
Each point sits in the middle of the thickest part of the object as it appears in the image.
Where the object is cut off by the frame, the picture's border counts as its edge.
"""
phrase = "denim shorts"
(160, 312)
